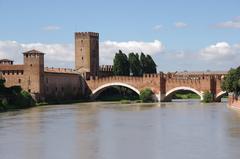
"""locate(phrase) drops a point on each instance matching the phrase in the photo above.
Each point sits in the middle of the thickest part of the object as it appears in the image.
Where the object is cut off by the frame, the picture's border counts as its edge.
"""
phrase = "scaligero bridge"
(164, 85)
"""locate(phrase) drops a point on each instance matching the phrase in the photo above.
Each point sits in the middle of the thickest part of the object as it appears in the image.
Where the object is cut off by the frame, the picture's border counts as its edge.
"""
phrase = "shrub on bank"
(14, 98)
(146, 95)
(208, 97)
(24, 100)
(3, 104)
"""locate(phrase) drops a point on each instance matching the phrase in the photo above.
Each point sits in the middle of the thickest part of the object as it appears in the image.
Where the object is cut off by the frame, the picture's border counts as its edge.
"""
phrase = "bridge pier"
(157, 97)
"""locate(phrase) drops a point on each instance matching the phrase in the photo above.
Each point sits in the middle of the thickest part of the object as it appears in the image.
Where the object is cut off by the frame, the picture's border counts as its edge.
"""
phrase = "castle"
(88, 78)
(50, 83)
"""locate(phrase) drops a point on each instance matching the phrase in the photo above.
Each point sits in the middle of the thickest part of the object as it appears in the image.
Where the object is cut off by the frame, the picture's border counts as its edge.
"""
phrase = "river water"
(180, 129)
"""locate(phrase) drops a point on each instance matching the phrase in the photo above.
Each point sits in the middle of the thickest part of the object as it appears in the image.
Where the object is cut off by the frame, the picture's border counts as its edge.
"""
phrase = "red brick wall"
(63, 86)
(151, 81)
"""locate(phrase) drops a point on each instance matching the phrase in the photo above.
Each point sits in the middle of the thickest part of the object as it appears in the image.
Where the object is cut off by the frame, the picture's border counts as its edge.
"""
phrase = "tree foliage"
(135, 65)
(14, 97)
(148, 64)
(2, 82)
(121, 64)
(231, 82)
(146, 95)
(208, 97)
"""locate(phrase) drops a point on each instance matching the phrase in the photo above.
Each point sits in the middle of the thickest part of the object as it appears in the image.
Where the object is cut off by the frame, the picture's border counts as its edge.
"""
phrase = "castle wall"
(59, 86)
(13, 75)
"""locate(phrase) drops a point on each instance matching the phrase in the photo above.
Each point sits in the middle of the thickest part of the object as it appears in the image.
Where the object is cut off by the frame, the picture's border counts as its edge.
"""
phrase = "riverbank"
(234, 102)
(7, 108)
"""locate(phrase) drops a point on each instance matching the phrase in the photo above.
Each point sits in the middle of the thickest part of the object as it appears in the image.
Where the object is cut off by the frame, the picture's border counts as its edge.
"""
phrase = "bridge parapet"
(154, 75)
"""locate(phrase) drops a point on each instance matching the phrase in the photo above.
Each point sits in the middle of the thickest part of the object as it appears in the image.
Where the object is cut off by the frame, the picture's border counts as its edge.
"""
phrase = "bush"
(146, 95)
(21, 100)
(3, 104)
(208, 97)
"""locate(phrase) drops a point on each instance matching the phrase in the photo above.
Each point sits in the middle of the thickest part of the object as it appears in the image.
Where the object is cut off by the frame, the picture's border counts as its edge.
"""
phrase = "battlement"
(106, 68)
(86, 34)
(6, 62)
(115, 78)
(59, 70)
(33, 52)
(153, 75)
(194, 75)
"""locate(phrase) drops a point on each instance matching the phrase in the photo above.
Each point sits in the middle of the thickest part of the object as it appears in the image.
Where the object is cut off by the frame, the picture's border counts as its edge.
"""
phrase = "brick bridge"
(163, 85)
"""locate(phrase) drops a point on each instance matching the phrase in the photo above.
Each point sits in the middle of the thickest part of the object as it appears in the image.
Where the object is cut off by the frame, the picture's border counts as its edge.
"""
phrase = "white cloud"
(51, 28)
(180, 25)
(109, 48)
(55, 53)
(220, 56)
(63, 54)
(232, 24)
(221, 50)
(158, 27)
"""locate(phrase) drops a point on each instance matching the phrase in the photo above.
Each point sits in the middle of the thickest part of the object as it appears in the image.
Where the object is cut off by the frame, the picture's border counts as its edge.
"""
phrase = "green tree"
(148, 64)
(121, 64)
(143, 62)
(151, 66)
(146, 95)
(208, 97)
(231, 82)
(135, 65)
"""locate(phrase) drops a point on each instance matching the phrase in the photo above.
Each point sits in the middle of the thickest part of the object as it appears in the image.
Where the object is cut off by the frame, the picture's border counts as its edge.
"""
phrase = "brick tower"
(34, 73)
(87, 53)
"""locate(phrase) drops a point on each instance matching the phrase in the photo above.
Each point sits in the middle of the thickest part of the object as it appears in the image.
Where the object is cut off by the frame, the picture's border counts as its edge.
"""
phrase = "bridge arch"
(171, 91)
(220, 95)
(101, 88)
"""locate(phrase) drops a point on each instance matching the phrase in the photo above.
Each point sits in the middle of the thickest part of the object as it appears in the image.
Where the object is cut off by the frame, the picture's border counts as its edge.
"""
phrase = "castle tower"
(34, 73)
(87, 53)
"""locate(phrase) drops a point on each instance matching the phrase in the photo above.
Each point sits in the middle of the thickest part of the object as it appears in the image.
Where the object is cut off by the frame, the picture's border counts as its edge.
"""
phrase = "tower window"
(82, 57)
(19, 80)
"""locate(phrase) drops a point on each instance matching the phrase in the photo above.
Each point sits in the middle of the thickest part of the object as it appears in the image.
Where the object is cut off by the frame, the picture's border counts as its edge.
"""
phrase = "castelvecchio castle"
(88, 78)
(50, 83)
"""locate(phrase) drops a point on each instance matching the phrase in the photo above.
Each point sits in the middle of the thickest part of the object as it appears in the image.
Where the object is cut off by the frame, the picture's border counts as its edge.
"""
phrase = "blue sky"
(185, 28)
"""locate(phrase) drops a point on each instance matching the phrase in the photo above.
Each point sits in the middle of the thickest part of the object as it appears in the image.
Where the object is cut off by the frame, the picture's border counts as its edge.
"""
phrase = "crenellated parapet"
(59, 70)
(86, 34)
(106, 68)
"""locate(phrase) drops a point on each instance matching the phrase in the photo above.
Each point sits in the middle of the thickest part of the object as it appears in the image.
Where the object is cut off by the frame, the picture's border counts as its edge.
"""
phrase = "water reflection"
(186, 129)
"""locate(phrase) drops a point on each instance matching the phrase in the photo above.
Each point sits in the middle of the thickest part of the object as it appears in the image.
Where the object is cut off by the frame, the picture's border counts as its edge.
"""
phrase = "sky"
(194, 35)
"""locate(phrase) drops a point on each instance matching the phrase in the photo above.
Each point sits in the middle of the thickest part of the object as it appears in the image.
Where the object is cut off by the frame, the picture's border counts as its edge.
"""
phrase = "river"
(180, 129)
